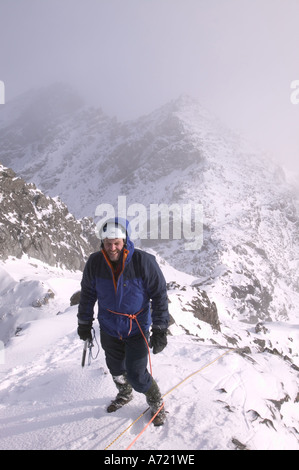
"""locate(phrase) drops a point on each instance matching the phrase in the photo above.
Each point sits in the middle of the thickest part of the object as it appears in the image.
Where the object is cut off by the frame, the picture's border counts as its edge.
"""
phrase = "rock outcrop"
(41, 227)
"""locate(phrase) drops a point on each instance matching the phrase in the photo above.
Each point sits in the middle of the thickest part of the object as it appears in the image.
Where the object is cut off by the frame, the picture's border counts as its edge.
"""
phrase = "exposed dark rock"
(200, 305)
(41, 227)
(43, 301)
(204, 309)
(238, 445)
(260, 328)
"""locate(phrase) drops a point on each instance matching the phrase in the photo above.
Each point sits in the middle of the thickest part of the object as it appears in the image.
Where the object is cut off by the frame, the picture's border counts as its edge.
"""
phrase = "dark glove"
(84, 331)
(158, 339)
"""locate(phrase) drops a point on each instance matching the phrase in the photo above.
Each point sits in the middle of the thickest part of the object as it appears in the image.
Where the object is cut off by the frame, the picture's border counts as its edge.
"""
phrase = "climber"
(131, 293)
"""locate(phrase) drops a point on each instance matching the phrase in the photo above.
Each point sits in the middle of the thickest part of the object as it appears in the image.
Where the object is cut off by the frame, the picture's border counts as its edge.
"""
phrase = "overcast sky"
(238, 57)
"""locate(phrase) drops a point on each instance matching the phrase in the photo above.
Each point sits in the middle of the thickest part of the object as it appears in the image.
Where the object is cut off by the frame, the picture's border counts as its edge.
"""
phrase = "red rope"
(146, 342)
(145, 427)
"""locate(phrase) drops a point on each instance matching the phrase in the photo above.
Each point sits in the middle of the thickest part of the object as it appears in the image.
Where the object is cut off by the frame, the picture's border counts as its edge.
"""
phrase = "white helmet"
(112, 229)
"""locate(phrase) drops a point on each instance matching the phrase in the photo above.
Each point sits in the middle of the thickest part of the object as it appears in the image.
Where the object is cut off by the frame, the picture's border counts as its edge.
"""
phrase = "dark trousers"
(128, 356)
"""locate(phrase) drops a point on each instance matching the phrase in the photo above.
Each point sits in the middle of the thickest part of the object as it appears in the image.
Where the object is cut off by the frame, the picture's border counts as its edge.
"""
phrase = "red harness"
(134, 317)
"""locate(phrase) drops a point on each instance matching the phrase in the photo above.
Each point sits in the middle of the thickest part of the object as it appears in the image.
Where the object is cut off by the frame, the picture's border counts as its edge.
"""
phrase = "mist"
(237, 57)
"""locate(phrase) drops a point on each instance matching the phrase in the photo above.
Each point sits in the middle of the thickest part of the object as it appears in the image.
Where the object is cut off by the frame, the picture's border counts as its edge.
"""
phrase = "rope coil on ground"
(167, 393)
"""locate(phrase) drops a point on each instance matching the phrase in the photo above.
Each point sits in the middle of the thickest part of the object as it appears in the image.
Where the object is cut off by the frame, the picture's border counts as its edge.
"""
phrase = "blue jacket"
(139, 282)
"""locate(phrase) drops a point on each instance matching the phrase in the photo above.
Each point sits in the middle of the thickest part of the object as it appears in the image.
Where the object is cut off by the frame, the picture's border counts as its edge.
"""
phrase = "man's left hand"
(158, 340)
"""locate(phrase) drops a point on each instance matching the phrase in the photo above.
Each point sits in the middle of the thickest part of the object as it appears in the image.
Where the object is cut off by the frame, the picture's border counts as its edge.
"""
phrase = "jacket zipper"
(125, 255)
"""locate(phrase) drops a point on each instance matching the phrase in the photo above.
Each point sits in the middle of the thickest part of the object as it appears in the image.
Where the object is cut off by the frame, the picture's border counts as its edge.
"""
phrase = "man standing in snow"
(124, 280)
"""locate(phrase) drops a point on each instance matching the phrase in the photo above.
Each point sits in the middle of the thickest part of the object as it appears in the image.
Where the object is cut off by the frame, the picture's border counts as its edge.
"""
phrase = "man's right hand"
(84, 332)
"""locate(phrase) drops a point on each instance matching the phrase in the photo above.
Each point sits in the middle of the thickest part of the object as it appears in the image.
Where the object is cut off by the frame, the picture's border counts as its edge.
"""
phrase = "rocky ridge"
(41, 227)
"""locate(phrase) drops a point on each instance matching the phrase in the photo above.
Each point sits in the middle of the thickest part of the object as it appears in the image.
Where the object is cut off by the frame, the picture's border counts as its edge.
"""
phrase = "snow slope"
(245, 399)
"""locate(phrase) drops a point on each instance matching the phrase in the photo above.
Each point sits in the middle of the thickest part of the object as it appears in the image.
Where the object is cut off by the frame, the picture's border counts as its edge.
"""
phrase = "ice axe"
(88, 344)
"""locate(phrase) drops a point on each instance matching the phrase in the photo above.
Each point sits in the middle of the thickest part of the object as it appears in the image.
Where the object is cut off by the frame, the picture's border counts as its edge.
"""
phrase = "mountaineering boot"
(155, 401)
(125, 393)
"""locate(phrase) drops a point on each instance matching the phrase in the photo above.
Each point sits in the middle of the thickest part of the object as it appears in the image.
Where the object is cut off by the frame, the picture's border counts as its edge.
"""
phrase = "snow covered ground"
(233, 400)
